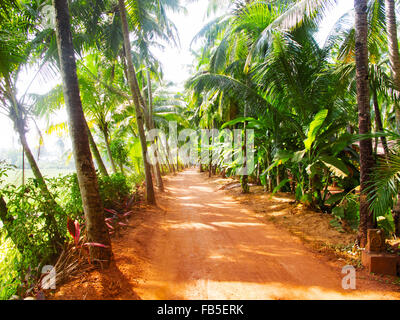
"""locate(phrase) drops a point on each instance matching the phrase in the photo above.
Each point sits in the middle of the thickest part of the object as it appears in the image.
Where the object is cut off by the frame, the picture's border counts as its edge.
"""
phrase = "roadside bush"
(10, 266)
(114, 190)
(30, 247)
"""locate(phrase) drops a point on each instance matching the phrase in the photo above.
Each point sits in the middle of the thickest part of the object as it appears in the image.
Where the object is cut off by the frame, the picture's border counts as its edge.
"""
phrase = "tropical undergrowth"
(23, 257)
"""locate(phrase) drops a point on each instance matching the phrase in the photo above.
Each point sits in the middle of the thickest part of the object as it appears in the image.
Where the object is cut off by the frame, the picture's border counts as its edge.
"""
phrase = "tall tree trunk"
(171, 168)
(364, 121)
(164, 155)
(23, 166)
(19, 123)
(394, 57)
(96, 229)
(379, 125)
(110, 157)
(210, 154)
(177, 159)
(96, 154)
(30, 157)
(133, 84)
(168, 157)
(121, 167)
(393, 46)
(245, 178)
(150, 97)
(57, 238)
(159, 180)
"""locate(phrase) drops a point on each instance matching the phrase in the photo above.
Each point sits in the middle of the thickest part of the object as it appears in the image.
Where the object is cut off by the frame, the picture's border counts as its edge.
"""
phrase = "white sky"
(175, 61)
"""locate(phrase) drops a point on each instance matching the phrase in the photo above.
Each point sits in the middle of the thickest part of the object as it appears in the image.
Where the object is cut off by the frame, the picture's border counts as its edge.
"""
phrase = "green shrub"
(27, 205)
(114, 190)
(10, 260)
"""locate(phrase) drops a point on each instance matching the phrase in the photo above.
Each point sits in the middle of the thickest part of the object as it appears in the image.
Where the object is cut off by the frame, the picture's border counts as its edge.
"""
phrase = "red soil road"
(200, 243)
(205, 245)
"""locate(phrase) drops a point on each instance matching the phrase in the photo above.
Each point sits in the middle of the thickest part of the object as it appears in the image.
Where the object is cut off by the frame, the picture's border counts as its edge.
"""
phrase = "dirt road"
(202, 244)
(207, 246)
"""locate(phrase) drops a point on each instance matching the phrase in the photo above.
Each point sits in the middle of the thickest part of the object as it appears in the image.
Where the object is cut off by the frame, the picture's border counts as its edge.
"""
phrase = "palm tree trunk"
(121, 167)
(394, 57)
(379, 125)
(96, 154)
(364, 121)
(19, 124)
(150, 197)
(393, 45)
(157, 170)
(58, 239)
(150, 97)
(23, 166)
(105, 135)
(171, 168)
(30, 157)
(168, 155)
(96, 229)
(159, 180)
(245, 178)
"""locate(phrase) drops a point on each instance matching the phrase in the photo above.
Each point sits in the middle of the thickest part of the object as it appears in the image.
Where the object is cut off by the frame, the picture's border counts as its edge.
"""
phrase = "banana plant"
(321, 160)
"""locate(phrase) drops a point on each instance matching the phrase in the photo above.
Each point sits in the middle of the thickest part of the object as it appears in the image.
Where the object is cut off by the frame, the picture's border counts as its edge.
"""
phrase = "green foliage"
(10, 267)
(114, 190)
(314, 128)
(27, 206)
(119, 151)
(386, 223)
(280, 186)
(348, 210)
(4, 170)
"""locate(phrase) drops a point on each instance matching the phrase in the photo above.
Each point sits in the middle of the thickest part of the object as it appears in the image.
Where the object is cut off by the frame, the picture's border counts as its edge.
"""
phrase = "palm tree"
(150, 22)
(366, 159)
(295, 15)
(94, 214)
(139, 108)
(393, 45)
(96, 154)
(394, 57)
(157, 170)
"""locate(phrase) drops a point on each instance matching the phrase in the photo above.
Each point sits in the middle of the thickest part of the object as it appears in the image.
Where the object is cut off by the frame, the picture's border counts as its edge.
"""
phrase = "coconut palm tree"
(96, 229)
(295, 15)
(139, 108)
(393, 44)
(366, 159)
